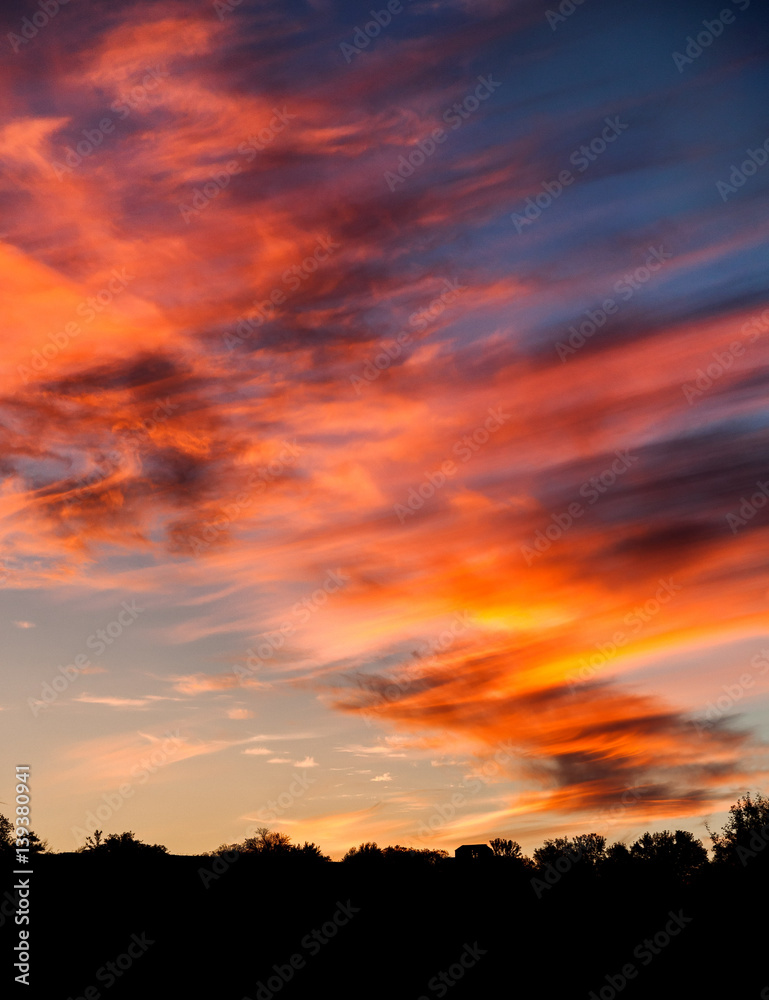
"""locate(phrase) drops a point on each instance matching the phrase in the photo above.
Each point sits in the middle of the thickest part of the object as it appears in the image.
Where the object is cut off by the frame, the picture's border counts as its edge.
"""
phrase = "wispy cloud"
(193, 684)
(111, 701)
(370, 751)
(274, 737)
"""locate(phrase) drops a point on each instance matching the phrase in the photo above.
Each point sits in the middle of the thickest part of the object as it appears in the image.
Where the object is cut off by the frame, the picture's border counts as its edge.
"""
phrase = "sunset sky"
(380, 422)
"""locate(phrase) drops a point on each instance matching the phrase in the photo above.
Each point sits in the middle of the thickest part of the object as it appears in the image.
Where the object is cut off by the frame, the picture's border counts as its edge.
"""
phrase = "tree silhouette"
(506, 849)
(93, 841)
(36, 845)
(370, 853)
(124, 844)
(589, 848)
(746, 833)
(430, 856)
(272, 844)
(7, 835)
(267, 842)
(8, 839)
(618, 853)
(310, 852)
(399, 855)
(224, 849)
(366, 853)
(678, 853)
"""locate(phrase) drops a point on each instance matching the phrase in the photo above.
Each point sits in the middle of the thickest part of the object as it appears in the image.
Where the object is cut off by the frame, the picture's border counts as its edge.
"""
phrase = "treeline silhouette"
(264, 918)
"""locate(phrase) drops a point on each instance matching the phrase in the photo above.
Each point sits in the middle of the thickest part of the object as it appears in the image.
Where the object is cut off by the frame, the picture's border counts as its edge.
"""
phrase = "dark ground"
(403, 928)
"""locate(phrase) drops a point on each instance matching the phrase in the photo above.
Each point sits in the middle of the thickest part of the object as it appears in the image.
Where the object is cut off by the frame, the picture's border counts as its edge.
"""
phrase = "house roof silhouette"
(474, 852)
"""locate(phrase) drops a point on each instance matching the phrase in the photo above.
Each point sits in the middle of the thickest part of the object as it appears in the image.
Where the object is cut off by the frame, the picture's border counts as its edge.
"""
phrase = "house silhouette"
(474, 853)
